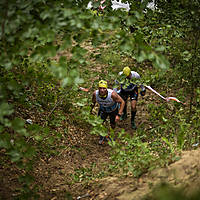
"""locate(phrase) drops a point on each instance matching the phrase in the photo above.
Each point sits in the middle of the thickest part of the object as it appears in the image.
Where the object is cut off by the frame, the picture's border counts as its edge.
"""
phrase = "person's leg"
(124, 96)
(133, 97)
(124, 114)
(103, 116)
(112, 116)
(133, 113)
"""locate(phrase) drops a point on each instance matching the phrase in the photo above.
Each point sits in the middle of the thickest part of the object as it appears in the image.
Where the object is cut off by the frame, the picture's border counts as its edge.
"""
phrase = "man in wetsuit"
(111, 104)
(129, 89)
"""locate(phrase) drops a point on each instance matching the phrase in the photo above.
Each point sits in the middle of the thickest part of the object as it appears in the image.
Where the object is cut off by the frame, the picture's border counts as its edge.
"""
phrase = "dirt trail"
(183, 173)
(86, 152)
(56, 173)
(82, 152)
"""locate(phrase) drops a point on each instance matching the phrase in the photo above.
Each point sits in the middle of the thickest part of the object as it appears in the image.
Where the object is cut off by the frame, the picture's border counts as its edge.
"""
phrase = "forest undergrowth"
(68, 161)
(48, 137)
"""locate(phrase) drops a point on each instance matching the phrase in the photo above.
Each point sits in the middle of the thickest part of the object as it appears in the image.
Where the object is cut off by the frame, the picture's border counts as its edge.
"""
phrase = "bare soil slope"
(68, 175)
(56, 173)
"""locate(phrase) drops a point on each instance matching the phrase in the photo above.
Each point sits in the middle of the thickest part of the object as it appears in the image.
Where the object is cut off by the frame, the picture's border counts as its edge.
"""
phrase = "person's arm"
(93, 101)
(143, 90)
(118, 99)
(137, 76)
(117, 86)
(118, 83)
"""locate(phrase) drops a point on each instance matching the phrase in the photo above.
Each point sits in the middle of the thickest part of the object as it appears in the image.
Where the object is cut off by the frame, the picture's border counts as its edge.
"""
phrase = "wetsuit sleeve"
(93, 101)
(117, 85)
(143, 90)
(142, 87)
(135, 75)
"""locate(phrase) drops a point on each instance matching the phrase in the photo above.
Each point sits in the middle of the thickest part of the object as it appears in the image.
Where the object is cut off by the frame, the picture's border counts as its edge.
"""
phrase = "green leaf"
(73, 73)
(27, 178)
(45, 14)
(1, 128)
(4, 143)
(6, 109)
(126, 45)
(142, 56)
(62, 60)
(160, 48)
(15, 155)
(68, 12)
(38, 137)
(161, 62)
(67, 82)
(78, 80)
(18, 126)
(131, 20)
(12, 85)
(30, 152)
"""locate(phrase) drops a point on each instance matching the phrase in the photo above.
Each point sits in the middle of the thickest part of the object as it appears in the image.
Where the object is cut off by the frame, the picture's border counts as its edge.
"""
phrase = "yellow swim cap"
(103, 84)
(127, 71)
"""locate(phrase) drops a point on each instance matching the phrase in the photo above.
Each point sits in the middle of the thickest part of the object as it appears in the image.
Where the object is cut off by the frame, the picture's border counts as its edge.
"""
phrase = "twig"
(83, 196)
(59, 102)
(3, 25)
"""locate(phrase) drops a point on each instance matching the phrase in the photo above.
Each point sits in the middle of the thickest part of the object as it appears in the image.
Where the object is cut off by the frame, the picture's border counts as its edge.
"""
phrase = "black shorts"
(112, 115)
(132, 94)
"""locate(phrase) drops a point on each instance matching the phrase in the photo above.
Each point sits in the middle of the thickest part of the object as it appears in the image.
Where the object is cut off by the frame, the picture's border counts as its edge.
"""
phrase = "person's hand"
(142, 93)
(117, 118)
(91, 112)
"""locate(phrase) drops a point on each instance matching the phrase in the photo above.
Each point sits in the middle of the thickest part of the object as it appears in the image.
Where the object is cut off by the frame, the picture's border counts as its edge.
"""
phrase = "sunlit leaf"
(15, 155)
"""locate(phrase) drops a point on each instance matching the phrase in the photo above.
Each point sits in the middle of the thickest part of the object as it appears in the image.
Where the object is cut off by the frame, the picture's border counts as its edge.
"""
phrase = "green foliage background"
(36, 82)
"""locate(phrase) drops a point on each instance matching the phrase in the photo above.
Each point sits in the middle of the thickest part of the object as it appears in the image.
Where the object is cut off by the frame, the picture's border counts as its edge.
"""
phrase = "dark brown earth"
(56, 179)
(55, 176)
